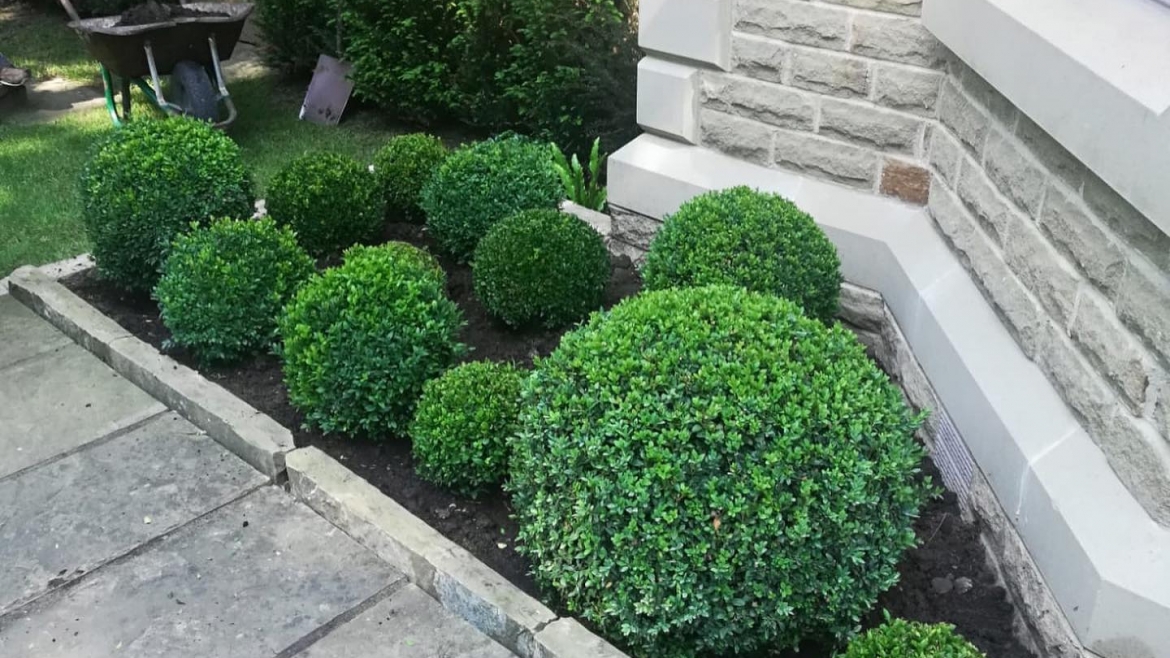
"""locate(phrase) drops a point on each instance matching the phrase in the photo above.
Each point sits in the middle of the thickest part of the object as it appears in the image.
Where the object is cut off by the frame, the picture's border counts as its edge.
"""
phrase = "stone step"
(61, 400)
(65, 518)
(409, 624)
(251, 579)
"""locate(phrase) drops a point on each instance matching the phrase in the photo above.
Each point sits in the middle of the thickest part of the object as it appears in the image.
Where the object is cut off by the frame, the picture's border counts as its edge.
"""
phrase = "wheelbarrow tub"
(121, 49)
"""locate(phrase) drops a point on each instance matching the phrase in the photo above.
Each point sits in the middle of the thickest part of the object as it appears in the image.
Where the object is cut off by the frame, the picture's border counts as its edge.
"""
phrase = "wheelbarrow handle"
(70, 10)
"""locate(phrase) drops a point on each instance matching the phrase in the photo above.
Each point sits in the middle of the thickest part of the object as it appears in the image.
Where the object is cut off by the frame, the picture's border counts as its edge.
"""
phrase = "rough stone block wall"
(844, 90)
(860, 93)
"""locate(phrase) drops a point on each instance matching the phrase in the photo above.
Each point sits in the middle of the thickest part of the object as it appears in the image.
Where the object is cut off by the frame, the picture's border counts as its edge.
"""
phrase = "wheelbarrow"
(189, 49)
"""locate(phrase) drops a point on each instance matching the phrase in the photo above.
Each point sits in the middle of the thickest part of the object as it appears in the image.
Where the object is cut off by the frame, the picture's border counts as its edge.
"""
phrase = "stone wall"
(860, 93)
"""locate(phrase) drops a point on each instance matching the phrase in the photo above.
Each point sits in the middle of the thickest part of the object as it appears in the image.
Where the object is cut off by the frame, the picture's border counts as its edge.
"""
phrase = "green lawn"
(37, 39)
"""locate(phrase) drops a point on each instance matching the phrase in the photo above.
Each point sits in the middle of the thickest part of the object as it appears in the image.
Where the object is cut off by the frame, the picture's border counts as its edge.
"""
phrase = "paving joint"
(345, 617)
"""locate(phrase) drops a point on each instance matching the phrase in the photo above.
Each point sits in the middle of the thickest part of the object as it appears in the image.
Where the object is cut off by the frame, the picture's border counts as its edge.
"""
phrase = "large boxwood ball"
(483, 184)
(747, 238)
(898, 638)
(402, 168)
(463, 425)
(225, 285)
(330, 201)
(361, 339)
(541, 267)
(148, 182)
(709, 470)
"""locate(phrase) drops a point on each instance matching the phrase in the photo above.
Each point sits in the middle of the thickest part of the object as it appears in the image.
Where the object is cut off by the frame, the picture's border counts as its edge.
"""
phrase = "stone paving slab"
(251, 579)
(69, 516)
(61, 400)
(23, 334)
(409, 624)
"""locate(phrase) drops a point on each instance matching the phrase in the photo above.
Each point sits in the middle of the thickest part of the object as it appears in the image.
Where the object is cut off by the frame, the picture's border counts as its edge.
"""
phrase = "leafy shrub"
(541, 266)
(749, 477)
(747, 238)
(224, 286)
(403, 167)
(463, 424)
(478, 186)
(296, 32)
(330, 201)
(898, 638)
(148, 182)
(360, 340)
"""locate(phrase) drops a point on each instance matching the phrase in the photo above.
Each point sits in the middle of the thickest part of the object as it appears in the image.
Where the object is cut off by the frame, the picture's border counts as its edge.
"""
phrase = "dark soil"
(155, 12)
(935, 575)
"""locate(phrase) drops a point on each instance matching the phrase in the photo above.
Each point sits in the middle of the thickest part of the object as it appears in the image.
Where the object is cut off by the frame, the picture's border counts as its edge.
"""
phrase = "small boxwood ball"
(330, 201)
(360, 340)
(541, 267)
(483, 184)
(464, 423)
(707, 471)
(898, 638)
(150, 181)
(742, 237)
(225, 284)
(402, 167)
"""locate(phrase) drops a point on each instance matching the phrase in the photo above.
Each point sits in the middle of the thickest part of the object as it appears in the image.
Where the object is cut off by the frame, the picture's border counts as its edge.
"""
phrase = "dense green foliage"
(541, 266)
(463, 424)
(582, 186)
(483, 184)
(747, 238)
(403, 167)
(898, 638)
(360, 340)
(225, 284)
(148, 182)
(706, 470)
(330, 201)
(564, 70)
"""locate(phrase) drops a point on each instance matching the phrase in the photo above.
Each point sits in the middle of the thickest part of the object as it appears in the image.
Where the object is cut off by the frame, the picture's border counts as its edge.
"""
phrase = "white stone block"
(698, 30)
(667, 99)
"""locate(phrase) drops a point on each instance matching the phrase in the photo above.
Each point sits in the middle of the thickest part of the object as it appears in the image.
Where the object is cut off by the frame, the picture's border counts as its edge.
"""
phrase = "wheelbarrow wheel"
(194, 92)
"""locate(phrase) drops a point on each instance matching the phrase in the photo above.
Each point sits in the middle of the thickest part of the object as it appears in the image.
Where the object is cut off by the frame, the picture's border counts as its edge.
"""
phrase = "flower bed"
(949, 549)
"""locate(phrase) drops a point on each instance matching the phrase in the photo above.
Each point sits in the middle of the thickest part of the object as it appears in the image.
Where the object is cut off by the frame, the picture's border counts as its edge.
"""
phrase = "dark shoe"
(14, 77)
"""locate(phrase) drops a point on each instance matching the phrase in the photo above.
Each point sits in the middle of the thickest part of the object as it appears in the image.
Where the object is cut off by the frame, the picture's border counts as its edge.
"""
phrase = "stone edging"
(454, 577)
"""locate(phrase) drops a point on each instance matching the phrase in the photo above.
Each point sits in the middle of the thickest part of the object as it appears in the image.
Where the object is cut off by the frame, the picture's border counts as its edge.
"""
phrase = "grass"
(38, 39)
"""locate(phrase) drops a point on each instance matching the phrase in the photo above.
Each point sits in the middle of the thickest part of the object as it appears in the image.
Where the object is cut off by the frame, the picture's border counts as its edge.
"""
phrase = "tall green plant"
(582, 190)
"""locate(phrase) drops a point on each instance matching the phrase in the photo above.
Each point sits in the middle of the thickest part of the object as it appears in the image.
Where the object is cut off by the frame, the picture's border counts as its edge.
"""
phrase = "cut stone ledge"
(251, 435)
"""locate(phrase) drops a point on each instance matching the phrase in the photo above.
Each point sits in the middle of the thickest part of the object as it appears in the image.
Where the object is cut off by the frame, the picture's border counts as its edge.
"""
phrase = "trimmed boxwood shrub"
(541, 266)
(480, 185)
(330, 201)
(148, 182)
(705, 470)
(898, 638)
(224, 286)
(403, 167)
(463, 424)
(747, 238)
(361, 339)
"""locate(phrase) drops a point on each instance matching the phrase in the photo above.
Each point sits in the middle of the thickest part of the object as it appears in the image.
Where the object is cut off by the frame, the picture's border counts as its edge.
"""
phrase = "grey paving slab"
(65, 518)
(248, 580)
(409, 624)
(23, 334)
(61, 400)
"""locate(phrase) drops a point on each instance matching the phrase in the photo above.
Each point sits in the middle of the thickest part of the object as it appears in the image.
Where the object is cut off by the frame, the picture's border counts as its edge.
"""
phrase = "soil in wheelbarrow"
(148, 13)
(946, 578)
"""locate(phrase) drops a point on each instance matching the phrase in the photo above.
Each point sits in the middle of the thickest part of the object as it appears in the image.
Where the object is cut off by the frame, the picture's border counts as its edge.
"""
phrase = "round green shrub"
(330, 201)
(402, 167)
(541, 266)
(478, 186)
(898, 638)
(148, 182)
(742, 237)
(463, 424)
(361, 339)
(224, 286)
(706, 470)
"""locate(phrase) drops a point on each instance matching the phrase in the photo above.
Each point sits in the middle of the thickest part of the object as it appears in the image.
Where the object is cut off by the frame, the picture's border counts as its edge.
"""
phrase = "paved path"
(125, 531)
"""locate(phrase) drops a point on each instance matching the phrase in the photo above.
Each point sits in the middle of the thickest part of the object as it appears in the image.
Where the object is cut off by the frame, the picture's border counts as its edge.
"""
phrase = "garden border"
(458, 580)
